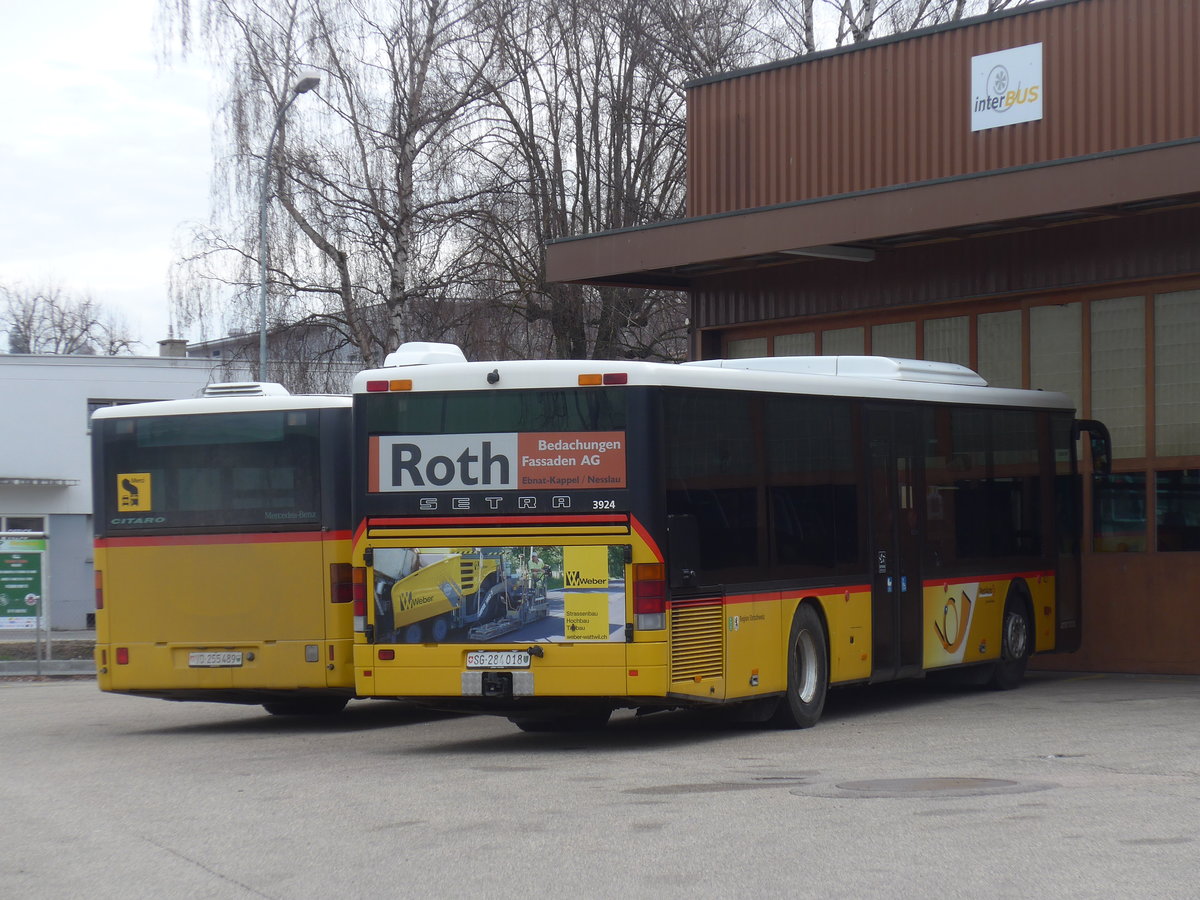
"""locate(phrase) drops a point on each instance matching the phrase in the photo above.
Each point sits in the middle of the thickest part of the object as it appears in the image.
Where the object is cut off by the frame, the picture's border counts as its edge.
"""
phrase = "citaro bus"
(222, 550)
(551, 540)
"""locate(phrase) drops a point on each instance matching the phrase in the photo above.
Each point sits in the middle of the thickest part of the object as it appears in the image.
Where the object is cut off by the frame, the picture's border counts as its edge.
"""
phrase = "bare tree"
(368, 185)
(451, 140)
(588, 135)
(49, 320)
(798, 27)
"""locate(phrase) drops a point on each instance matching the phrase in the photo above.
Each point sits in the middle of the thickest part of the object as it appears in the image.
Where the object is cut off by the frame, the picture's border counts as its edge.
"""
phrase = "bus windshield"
(220, 470)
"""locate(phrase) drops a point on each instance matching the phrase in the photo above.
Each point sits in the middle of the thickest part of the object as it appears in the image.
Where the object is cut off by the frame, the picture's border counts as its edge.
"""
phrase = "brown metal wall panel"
(1147, 246)
(1117, 74)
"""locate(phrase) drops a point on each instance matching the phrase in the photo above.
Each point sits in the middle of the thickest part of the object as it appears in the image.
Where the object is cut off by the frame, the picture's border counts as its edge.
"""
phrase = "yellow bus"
(552, 540)
(222, 549)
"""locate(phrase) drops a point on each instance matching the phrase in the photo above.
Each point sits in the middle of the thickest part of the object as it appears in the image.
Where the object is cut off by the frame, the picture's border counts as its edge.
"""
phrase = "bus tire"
(1016, 641)
(307, 706)
(592, 720)
(807, 672)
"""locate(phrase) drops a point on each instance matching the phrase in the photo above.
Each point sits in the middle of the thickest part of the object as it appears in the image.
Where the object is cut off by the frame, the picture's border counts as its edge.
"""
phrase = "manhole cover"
(936, 787)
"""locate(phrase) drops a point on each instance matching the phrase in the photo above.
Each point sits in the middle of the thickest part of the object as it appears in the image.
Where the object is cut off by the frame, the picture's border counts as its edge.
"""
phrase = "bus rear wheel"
(807, 673)
(1015, 640)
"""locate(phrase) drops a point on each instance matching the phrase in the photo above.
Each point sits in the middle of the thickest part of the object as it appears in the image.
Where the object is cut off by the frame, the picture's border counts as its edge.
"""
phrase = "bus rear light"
(387, 654)
(650, 621)
(122, 656)
(400, 384)
(649, 597)
(99, 582)
(360, 615)
(358, 593)
(606, 378)
(374, 387)
(341, 583)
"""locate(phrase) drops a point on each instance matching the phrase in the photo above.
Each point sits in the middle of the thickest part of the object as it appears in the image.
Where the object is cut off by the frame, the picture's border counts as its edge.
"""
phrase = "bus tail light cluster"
(341, 583)
(358, 592)
(99, 582)
(122, 656)
(649, 597)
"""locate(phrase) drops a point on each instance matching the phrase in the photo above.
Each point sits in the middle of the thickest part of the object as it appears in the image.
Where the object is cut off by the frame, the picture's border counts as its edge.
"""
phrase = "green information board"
(20, 582)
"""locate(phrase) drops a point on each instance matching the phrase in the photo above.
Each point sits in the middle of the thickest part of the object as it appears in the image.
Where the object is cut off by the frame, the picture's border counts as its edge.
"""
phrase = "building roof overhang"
(675, 254)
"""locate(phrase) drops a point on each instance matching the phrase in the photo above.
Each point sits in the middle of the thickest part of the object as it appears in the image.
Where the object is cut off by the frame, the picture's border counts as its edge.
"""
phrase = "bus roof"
(227, 404)
(839, 376)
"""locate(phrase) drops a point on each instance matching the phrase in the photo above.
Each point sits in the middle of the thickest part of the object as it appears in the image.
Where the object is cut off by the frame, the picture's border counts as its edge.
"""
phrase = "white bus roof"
(834, 376)
(223, 404)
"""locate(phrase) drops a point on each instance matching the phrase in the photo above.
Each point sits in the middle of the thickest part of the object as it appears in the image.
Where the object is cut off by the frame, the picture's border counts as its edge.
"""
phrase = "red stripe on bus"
(772, 596)
(186, 540)
(973, 579)
(640, 530)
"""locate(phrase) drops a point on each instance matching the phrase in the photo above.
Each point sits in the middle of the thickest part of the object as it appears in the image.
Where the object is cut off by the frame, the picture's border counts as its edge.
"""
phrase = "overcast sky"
(104, 155)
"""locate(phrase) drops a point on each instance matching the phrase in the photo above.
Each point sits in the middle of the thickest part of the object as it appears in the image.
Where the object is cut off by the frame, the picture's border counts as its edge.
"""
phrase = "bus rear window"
(224, 470)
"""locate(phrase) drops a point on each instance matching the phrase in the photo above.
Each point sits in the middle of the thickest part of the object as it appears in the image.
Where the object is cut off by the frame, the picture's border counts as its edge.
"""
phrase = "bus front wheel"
(807, 672)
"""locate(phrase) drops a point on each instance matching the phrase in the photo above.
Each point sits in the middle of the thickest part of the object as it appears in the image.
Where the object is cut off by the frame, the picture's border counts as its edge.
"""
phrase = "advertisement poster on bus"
(20, 582)
(492, 594)
(511, 461)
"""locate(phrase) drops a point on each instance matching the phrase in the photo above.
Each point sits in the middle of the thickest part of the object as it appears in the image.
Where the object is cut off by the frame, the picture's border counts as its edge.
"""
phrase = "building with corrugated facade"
(1019, 193)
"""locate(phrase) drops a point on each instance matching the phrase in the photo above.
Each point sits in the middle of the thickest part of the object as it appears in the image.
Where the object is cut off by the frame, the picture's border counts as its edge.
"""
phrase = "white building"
(46, 404)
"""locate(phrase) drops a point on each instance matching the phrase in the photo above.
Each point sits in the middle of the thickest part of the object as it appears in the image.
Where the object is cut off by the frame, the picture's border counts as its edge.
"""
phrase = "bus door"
(894, 490)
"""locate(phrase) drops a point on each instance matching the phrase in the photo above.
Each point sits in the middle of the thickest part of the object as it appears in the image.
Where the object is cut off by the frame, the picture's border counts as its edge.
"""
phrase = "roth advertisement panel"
(525, 461)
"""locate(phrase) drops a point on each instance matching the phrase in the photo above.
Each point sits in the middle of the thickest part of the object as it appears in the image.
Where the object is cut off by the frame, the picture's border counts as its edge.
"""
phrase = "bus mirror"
(1101, 444)
(684, 546)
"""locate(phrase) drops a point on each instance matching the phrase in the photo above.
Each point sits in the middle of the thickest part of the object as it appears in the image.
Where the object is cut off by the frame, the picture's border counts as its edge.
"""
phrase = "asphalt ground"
(1072, 786)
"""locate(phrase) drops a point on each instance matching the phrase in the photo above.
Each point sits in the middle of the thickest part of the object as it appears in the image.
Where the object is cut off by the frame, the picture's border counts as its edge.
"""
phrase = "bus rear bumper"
(159, 669)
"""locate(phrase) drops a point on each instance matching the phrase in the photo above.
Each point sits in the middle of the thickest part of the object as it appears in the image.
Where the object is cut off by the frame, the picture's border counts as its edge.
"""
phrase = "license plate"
(217, 660)
(498, 659)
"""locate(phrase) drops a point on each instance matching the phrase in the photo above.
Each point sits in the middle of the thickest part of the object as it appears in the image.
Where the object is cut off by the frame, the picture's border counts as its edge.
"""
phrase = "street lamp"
(303, 86)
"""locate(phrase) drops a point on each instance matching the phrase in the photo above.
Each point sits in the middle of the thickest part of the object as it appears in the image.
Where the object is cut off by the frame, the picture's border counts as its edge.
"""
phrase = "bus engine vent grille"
(697, 641)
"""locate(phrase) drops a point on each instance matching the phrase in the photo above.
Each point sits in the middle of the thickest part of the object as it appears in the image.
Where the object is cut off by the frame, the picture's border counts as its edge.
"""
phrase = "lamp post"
(303, 86)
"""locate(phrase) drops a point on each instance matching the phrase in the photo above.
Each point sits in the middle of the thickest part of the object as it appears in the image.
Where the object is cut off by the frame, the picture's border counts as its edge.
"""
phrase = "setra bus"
(551, 540)
(222, 549)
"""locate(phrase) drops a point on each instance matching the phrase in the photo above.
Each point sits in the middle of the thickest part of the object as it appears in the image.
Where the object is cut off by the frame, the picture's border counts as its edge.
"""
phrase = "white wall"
(43, 418)
(44, 434)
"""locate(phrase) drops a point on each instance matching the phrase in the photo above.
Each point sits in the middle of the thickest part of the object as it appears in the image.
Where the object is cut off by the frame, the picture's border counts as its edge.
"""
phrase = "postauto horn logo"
(1006, 87)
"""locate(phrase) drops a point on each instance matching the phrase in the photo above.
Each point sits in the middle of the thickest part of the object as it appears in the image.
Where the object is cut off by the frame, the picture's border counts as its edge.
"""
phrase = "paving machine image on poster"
(479, 594)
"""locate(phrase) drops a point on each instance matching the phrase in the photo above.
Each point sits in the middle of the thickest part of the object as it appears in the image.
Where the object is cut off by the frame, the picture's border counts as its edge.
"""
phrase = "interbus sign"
(514, 461)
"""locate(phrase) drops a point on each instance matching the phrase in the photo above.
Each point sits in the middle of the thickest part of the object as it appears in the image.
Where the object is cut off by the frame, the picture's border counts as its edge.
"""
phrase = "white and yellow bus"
(551, 540)
(223, 549)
